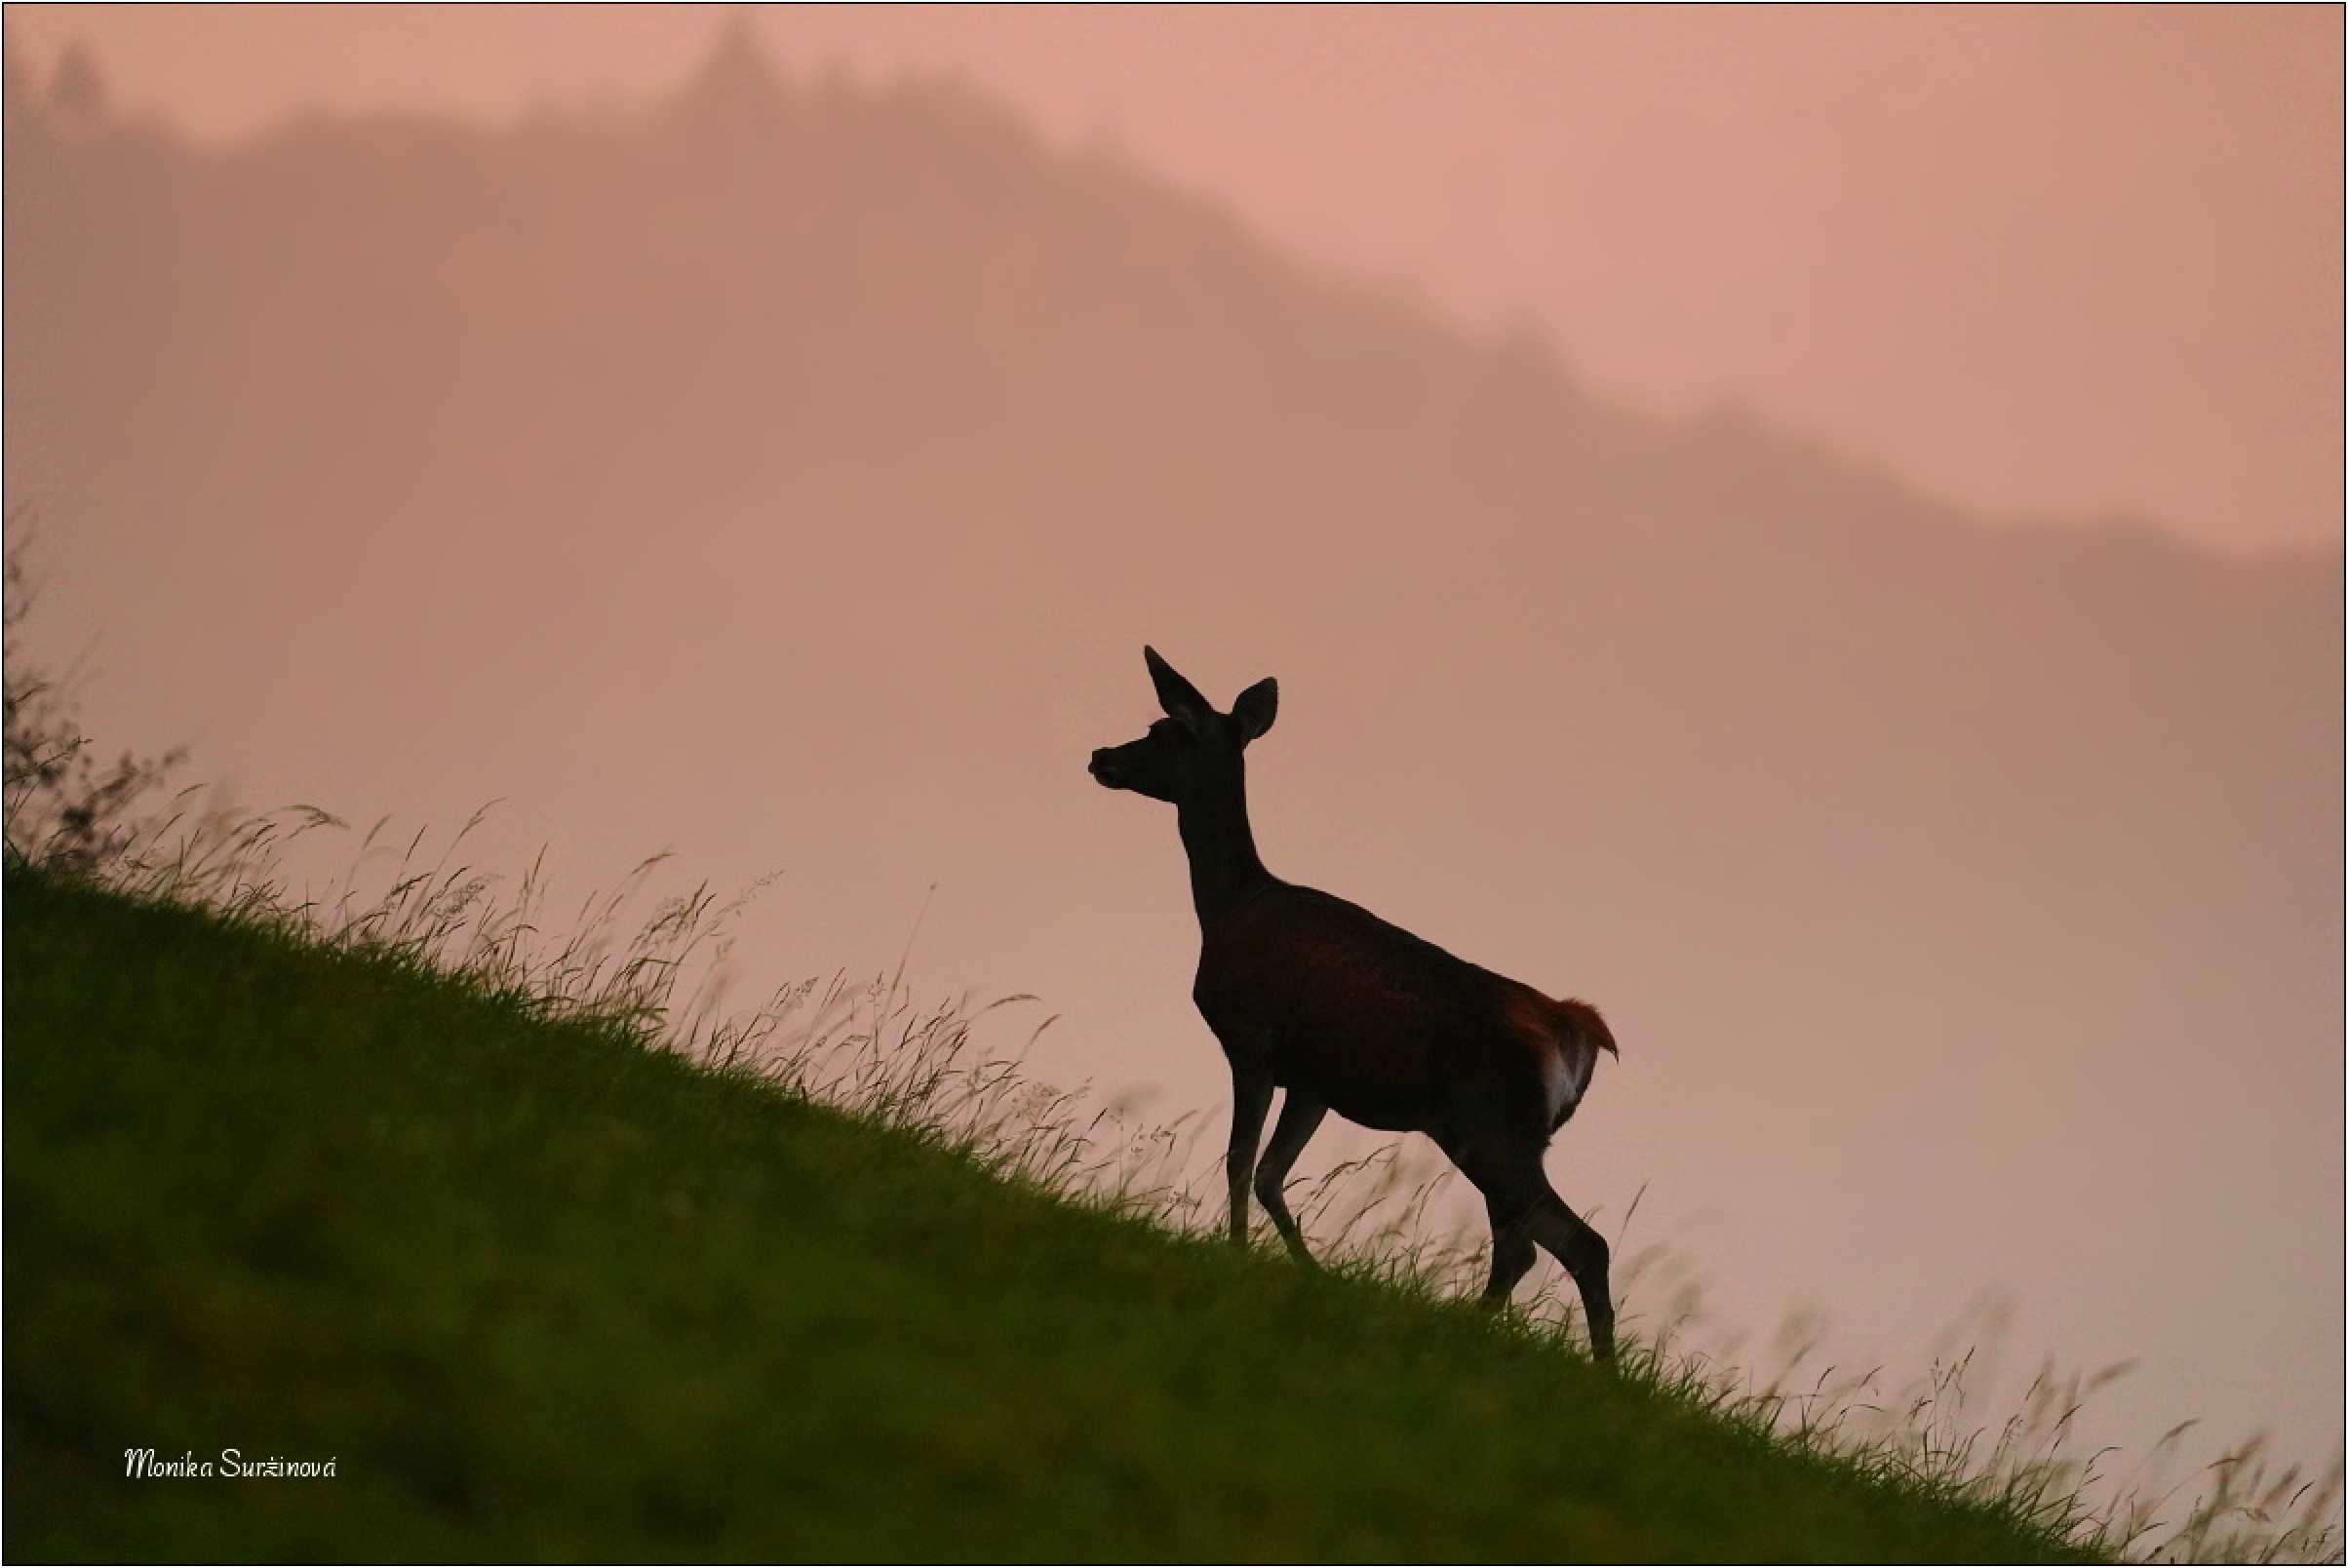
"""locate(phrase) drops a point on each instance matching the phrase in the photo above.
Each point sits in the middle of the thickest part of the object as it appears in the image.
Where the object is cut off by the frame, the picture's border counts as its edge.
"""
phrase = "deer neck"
(1225, 867)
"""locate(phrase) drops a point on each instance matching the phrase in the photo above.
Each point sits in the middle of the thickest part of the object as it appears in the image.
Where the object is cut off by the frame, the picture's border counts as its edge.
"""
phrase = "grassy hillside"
(542, 1293)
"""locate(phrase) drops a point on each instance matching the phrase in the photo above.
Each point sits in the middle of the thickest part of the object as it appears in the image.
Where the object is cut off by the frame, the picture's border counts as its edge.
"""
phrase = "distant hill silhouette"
(697, 469)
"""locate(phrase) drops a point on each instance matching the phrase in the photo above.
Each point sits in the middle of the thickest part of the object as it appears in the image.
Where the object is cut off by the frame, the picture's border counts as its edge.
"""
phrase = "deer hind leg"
(1584, 1252)
(1525, 1209)
(1251, 1098)
(1511, 1254)
(1299, 1116)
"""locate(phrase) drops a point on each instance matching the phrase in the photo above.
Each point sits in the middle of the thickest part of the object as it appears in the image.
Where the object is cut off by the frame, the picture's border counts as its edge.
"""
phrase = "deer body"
(1315, 996)
(1384, 1028)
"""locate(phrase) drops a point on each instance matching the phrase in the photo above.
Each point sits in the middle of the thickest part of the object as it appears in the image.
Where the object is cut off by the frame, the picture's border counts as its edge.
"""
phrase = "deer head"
(1194, 749)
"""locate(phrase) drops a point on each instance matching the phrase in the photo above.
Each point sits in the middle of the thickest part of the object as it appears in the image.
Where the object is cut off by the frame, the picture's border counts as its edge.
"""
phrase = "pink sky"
(2062, 261)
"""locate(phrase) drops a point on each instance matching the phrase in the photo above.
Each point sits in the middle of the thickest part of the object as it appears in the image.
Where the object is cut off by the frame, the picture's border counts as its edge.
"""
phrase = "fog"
(787, 468)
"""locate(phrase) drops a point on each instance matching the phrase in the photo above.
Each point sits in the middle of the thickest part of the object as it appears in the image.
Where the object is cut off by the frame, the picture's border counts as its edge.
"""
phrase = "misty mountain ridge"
(1034, 254)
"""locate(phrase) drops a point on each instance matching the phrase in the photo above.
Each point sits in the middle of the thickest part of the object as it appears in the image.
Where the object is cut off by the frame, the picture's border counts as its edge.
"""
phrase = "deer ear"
(1177, 697)
(1256, 708)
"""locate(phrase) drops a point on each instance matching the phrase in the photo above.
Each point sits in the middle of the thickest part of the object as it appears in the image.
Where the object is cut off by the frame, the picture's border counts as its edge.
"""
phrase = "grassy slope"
(542, 1294)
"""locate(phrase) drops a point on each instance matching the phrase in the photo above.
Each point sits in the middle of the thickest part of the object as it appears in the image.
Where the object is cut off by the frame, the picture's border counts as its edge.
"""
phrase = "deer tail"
(1586, 1022)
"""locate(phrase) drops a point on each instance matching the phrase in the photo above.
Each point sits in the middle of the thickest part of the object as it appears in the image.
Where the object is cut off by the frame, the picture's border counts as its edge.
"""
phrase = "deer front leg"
(1251, 1098)
(1300, 1116)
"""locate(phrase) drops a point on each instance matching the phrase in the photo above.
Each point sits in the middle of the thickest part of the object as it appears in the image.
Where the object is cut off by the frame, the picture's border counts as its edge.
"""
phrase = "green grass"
(542, 1293)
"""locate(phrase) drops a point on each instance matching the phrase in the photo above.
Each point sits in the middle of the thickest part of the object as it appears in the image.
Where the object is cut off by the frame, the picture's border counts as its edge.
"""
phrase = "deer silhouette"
(1318, 997)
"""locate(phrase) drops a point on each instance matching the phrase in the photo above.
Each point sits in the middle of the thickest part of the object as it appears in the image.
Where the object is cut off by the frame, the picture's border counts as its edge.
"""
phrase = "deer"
(1311, 995)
